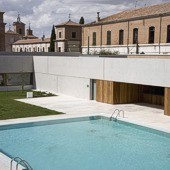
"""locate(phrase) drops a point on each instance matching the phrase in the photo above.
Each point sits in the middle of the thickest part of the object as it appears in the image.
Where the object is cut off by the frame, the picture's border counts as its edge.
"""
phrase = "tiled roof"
(69, 23)
(32, 41)
(146, 11)
(30, 37)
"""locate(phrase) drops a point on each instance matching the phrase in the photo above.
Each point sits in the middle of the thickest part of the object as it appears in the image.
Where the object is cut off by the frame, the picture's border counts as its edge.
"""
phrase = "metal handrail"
(14, 160)
(114, 113)
(118, 114)
(26, 164)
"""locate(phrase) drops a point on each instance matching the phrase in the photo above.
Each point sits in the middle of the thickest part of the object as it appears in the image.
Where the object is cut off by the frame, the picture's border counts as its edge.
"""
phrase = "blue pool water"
(86, 145)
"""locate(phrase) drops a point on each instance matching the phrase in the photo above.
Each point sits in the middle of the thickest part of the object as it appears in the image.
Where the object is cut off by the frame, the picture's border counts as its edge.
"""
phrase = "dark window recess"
(59, 35)
(135, 35)
(121, 34)
(73, 34)
(94, 38)
(168, 34)
(20, 31)
(151, 35)
(108, 37)
(154, 90)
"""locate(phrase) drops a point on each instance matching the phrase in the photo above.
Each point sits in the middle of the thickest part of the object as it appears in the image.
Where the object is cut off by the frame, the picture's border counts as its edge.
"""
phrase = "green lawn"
(11, 109)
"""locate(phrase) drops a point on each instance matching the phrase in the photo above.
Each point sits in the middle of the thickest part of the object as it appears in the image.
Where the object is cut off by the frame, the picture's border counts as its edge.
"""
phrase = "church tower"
(19, 27)
(2, 32)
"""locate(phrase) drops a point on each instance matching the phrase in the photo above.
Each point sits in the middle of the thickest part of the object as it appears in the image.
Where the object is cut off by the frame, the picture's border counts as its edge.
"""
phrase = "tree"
(81, 20)
(52, 38)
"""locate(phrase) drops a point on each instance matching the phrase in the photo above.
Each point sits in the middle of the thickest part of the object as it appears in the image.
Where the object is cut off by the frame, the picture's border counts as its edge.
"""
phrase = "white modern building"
(114, 80)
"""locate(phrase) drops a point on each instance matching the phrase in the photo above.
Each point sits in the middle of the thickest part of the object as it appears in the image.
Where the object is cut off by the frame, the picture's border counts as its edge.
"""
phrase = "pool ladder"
(118, 114)
(20, 162)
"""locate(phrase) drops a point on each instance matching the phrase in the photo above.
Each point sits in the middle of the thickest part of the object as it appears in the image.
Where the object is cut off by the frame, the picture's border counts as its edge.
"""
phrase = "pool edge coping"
(51, 118)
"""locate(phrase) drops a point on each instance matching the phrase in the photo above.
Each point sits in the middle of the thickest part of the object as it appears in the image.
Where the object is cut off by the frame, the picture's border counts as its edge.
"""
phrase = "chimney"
(98, 17)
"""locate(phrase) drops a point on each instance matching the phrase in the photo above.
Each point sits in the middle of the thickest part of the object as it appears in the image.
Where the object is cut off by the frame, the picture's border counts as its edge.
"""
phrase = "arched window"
(168, 34)
(43, 49)
(151, 34)
(38, 49)
(121, 35)
(20, 49)
(25, 50)
(94, 38)
(135, 35)
(108, 37)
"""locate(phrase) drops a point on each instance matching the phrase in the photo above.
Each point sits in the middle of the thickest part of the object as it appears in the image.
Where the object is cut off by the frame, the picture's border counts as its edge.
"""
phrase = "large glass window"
(135, 35)
(1, 80)
(108, 37)
(168, 34)
(121, 35)
(151, 34)
(94, 38)
(15, 79)
(19, 79)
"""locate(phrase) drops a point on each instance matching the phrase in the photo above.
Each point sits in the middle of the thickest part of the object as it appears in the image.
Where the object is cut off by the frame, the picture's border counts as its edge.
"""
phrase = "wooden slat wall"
(153, 99)
(99, 90)
(122, 93)
(117, 93)
(167, 101)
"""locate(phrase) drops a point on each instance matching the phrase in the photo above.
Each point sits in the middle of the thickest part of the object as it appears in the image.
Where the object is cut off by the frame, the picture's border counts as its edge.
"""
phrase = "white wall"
(139, 71)
(71, 75)
(31, 47)
(73, 86)
(122, 49)
(61, 45)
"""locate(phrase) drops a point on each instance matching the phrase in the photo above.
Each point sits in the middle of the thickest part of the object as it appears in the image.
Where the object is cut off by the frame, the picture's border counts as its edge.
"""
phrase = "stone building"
(32, 45)
(2, 32)
(144, 30)
(68, 37)
(10, 38)
(14, 35)
(29, 34)
(19, 27)
(18, 35)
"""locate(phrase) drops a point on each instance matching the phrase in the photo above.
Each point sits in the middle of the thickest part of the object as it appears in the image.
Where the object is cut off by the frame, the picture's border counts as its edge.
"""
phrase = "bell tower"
(19, 27)
(2, 32)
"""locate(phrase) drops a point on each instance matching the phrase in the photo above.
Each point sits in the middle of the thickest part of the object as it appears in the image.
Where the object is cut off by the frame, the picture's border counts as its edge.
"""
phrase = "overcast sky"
(42, 14)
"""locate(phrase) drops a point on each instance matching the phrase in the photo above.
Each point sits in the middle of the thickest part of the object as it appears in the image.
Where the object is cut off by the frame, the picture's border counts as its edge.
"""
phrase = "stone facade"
(2, 32)
(32, 45)
(152, 24)
(19, 27)
(17, 34)
(10, 38)
(68, 37)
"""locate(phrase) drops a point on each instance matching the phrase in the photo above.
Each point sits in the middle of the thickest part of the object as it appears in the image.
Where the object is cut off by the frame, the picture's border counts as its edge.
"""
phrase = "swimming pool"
(92, 143)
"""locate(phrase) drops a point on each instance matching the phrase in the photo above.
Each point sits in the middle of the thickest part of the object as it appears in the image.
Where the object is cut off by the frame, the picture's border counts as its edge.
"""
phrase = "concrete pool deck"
(142, 114)
(146, 114)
